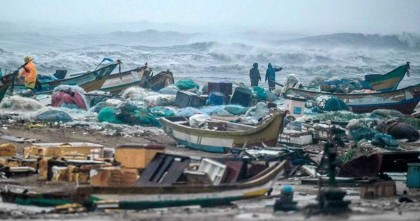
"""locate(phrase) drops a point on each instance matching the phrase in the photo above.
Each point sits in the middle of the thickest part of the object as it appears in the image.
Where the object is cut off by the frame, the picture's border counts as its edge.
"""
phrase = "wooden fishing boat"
(145, 197)
(5, 83)
(159, 81)
(89, 81)
(404, 100)
(388, 81)
(227, 135)
(141, 76)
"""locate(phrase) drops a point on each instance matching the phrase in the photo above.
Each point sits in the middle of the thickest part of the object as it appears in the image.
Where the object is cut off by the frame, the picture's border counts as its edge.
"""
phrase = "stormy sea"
(204, 56)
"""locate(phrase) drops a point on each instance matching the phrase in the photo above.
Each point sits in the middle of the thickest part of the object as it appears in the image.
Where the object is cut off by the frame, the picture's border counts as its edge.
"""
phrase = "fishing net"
(236, 109)
(160, 100)
(136, 93)
(107, 114)
(259, 93)
(258, 111)
(186, 84)
(386, 113)
(187, 112)
(54, 116)
(18, 103)
(161, 111)
(385, 141)
(171, 89)
(341, 85)
(130, 114)
(339, 116)
(330, 103)
(362, 133)
(198, 120)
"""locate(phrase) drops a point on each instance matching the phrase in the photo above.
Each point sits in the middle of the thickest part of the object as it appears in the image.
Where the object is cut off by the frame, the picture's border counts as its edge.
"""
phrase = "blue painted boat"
(404, 100)
(89, 81)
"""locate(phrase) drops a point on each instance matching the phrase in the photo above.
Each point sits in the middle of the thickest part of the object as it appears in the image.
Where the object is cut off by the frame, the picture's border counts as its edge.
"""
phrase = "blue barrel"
(286, 195)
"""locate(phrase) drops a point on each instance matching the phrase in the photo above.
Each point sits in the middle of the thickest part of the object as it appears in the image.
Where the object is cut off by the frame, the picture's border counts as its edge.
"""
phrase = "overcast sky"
(309, 16)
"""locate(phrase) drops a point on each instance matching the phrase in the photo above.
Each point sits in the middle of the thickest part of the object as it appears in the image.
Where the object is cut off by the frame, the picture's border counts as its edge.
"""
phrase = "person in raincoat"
(270, 75)
(30, 74)
(254, 75)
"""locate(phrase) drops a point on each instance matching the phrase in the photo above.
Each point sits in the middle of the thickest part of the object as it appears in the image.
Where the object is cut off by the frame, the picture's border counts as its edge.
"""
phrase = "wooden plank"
(17, 139)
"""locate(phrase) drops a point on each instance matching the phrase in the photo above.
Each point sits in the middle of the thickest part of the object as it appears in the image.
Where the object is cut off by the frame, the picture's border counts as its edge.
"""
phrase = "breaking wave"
(409, 41)
(194, 56)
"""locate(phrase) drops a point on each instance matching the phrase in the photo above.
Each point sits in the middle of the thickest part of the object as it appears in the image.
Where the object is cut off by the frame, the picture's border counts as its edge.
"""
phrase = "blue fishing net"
(107, 114)
(385, 141)
(186, 84)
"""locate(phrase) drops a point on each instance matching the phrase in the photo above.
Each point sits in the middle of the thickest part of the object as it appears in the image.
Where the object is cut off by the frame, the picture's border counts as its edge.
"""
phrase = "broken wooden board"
(17, 139)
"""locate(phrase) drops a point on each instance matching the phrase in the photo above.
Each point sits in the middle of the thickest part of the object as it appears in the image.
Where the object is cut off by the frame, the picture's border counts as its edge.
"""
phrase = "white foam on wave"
(227, 60)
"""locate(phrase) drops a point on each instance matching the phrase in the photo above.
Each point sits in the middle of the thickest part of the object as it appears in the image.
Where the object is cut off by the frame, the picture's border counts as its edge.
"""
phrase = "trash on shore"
(257, 134)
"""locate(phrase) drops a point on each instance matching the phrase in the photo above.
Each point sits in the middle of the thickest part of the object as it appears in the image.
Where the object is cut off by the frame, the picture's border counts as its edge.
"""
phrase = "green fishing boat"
(389, 81)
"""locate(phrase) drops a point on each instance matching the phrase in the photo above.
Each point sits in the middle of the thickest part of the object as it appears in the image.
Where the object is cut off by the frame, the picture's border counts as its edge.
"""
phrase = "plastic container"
(214, 169)
(242, 96)
(216, 98)
(413, 175)
(286, 194)
(222, 87)
(187, 99)
(295, 105)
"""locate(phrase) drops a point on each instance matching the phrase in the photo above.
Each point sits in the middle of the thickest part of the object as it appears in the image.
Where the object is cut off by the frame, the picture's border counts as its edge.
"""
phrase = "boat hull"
(404, 100)
(222, 141)
(144, 197)
(137, 77)
(5, 83)
(406, 106)
(89, 81)
(389, 81)
(170, 196)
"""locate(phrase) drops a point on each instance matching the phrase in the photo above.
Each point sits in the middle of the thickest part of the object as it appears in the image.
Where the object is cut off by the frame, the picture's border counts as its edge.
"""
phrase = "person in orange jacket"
(30, 74)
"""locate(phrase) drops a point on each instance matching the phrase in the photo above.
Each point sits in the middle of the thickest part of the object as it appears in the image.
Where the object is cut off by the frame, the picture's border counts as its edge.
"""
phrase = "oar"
(277, 83)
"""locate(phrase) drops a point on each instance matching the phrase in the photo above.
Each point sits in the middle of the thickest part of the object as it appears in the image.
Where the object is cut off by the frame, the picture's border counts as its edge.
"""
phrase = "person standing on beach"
(270, 75)
(30, 74)
(254, 75)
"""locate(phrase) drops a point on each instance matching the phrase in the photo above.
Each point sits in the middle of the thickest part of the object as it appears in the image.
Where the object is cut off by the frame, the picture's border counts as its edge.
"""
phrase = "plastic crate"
(214, 169)
(222, 87)
(187, 99)
(242, 96)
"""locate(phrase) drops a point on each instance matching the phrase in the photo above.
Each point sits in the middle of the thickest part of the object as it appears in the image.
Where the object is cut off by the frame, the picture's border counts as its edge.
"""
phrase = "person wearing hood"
(254, 75)
(270, 75)
(30, 74)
